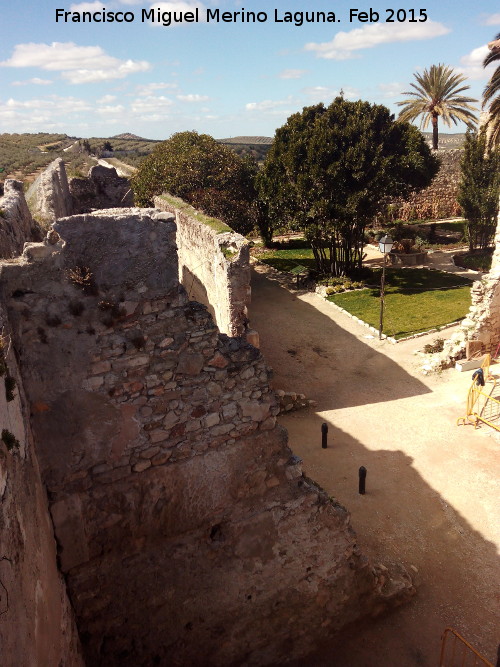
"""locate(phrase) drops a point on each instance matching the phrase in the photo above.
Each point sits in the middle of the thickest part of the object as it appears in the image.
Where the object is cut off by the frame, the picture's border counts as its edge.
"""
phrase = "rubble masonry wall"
(186, 530)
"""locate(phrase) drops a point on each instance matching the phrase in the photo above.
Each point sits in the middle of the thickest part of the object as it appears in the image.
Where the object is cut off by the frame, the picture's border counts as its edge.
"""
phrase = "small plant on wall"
(9, 440)
(82, 277)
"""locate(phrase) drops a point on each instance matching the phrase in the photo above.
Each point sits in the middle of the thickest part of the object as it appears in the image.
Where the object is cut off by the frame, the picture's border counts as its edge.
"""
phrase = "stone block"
(190, 364)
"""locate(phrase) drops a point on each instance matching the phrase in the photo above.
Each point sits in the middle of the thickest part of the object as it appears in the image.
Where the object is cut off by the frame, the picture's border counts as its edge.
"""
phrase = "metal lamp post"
(385, 246)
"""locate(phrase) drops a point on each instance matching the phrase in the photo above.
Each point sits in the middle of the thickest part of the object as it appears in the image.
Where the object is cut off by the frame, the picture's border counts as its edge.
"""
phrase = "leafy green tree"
(492, 93)
(330, 169)
(437, 93)
(206, 174)
(479, 189)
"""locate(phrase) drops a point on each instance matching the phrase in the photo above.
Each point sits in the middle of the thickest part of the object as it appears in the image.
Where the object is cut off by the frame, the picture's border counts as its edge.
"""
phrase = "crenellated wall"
(213, 265)
(186, 530)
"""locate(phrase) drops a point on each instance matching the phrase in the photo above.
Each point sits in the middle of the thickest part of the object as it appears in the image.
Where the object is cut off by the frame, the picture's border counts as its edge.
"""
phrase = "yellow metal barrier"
(482, 405)
(457, 652)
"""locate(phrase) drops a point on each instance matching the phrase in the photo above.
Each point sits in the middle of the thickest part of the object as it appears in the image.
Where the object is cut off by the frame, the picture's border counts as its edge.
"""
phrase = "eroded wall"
(37, 626)
(186, 530)
(48, 196)
(483, 320)
(213, 267)
(103, 188)
(16, 224)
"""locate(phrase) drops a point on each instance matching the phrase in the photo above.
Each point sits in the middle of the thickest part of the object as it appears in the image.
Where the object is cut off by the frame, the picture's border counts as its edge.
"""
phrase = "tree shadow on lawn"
(312, 354)
(401, 518)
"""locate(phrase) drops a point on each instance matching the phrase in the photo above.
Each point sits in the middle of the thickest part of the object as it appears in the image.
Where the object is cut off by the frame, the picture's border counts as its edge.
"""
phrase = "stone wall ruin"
(16, 224)
(213, 266)
(48, 196)
(186, 530)
(102, 188)
(37, 625)
(439, 200)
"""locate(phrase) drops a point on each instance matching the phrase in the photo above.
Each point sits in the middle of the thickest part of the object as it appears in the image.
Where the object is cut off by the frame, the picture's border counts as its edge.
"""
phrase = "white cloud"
(325, 94)
(177, 7)
(106, 99)
(292, 73)
(265, 105)
(344, 45)
(118, 108)
(391, 90)
(53, 103)
(193, 98)
(35, 81)
(491, 19)
(78, 64)
(150, 104)
(87, 7)
(471, 65)
(149, 88)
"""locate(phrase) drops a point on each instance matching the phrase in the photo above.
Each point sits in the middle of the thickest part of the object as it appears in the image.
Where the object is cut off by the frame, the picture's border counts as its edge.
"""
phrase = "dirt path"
(432, 489)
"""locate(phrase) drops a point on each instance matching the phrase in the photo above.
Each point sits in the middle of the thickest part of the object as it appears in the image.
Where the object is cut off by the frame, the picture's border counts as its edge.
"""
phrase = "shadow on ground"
(403, 519)
(421, 467)
(332, 364)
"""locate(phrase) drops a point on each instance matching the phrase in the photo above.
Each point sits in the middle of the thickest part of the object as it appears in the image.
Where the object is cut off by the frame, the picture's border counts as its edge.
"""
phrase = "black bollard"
(324, 435)
(362, 480)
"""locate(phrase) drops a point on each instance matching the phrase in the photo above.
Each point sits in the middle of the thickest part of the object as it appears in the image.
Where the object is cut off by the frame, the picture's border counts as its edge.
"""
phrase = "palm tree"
(437, 93)
(492, 92)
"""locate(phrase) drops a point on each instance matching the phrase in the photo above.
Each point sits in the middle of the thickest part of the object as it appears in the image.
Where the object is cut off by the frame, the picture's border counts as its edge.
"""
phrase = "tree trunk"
(435, 131)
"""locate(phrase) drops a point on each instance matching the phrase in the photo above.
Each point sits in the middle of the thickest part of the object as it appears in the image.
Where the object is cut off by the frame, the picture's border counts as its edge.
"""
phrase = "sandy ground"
(432, 486)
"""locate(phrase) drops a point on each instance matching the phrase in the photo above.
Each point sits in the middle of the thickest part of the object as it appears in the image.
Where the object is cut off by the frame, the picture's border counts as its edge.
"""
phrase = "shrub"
(436, 346)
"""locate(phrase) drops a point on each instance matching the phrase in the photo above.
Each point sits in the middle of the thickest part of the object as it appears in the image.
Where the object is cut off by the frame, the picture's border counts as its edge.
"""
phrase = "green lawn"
(288, 258)
(479, 260)
(416, 300)
(452, 226)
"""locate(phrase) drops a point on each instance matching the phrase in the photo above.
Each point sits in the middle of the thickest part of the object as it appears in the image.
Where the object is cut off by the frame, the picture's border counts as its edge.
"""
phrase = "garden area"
(416, 299)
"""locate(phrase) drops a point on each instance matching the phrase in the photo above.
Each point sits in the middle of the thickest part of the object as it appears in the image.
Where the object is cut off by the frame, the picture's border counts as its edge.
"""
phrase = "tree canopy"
(479, 189)
(491, 93)
(437, 94)
(204, 173)
(330, 169)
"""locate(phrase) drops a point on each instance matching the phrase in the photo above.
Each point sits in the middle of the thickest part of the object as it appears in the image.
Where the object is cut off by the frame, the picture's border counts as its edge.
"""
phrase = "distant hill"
(129, 135)
(256, 147)
(447, 140)
(247, 140)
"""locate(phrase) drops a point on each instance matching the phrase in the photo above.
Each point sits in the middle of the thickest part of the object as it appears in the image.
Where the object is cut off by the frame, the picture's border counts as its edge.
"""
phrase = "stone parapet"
(214, 266)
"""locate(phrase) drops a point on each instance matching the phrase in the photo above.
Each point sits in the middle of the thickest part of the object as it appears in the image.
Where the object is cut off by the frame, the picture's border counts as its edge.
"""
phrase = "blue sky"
(226, 78)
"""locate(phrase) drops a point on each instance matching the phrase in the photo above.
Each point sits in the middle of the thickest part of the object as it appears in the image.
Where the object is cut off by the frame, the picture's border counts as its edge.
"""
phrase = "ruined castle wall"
(186, 530)
(439, 200)
(483, 320)
(16, 224)
(48, 196)
(103, 188)
(37, 626)
(213, 266)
